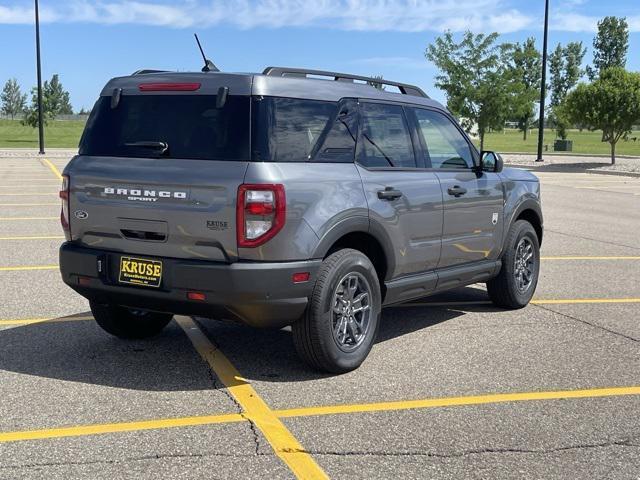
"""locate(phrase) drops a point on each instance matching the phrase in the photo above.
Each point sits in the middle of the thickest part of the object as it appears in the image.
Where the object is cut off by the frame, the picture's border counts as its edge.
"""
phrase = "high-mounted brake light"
(169, 87)
(64, 212)
(260, 213)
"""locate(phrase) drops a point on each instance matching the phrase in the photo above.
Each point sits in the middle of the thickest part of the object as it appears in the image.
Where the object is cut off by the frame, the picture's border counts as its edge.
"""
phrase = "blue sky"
(89, 41)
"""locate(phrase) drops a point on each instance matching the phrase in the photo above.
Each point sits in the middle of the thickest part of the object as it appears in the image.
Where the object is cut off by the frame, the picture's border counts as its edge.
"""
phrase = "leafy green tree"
(526, 68)
(56, 98)
(474, 75)
(31, 113)
(378, 85)
(55, 101)
(610, 46)
(611, 104)
(565, 68)
(13, 100)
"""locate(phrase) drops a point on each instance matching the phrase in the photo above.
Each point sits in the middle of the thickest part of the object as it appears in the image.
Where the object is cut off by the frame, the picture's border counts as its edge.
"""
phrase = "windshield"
(169, 126)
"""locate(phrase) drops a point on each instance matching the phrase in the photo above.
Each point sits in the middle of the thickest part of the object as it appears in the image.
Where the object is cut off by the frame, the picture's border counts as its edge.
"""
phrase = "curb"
(570, 154)
(617, 173)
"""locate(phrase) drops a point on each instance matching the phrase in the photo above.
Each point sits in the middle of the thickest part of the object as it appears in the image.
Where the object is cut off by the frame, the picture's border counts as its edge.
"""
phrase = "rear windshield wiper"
(162, 146)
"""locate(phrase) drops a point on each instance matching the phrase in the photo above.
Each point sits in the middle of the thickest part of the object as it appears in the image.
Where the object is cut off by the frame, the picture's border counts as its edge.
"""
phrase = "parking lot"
(453, 388)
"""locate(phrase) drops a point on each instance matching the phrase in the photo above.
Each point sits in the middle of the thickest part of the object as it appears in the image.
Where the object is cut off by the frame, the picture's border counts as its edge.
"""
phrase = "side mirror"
(491, 162)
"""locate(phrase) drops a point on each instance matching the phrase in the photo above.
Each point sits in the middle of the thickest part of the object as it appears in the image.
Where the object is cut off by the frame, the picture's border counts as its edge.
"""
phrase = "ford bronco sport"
(292, 197)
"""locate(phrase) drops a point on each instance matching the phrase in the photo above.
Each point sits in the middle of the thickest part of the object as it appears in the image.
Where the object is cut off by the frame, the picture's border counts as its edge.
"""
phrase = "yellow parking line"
(10, 219)
(119, 427)
(457, 401)
(29, 321)
(443, 402)
(569, 257)
(53, 168)
(255, 409)
(28, 267)
(42, 237)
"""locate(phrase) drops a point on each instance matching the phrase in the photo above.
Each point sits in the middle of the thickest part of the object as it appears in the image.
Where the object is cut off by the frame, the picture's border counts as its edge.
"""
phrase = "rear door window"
(298, 130)
(190, 126)
(385, 139)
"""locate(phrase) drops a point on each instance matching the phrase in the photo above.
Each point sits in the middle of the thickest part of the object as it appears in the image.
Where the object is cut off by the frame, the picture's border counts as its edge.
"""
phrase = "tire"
(317, 341)
(506, 290)
(127, 323)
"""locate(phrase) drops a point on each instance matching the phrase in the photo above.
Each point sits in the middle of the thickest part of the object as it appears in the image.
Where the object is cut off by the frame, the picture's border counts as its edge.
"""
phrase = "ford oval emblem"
(80, 214)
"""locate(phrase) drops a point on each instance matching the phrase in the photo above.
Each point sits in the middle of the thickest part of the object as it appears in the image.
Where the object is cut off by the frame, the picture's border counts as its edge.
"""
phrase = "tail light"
(260, 213)
(64, 214)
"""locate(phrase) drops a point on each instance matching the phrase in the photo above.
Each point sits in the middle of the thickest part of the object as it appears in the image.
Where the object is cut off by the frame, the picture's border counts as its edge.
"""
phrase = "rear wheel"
(341, 321)
(129, 323)
(516, 283)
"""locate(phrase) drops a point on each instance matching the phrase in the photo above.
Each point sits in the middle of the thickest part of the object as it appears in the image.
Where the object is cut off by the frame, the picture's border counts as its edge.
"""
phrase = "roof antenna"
(208, 64)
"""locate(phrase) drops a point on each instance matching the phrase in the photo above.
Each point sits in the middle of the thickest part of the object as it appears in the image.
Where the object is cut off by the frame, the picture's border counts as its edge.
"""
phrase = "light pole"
(40, 124)
(543, 83)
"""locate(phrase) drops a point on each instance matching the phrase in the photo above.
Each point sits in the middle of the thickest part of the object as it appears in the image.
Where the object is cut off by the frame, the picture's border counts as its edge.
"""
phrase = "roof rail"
(404, 88)
(146, 70)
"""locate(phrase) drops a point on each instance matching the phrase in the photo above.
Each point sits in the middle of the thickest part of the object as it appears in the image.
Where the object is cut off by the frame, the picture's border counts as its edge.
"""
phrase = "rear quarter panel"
(320, 197)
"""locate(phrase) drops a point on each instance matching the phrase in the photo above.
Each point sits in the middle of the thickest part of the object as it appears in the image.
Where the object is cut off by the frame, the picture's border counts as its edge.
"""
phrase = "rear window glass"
(189, 126)
(297, 130)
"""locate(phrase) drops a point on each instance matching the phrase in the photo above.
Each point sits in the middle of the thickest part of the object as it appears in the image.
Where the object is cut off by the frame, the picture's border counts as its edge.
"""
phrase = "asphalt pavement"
(453, 389)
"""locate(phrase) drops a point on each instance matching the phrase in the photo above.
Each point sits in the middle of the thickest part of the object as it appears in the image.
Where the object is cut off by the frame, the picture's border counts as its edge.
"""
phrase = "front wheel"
(129, 323)
(340, 324)
(516, 283)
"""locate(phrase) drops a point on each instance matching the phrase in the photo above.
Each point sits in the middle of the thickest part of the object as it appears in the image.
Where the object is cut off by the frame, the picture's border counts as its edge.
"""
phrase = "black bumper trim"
(255, 293)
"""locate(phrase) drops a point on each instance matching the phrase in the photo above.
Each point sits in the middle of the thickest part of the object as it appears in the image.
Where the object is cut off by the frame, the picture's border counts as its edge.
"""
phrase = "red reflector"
(199, 296)
(301, 277)
(84, 280)
(260, 208)
(168, 87)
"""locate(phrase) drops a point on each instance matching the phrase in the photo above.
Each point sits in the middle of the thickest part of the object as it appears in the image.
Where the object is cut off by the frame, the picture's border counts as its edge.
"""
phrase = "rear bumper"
(256, 293)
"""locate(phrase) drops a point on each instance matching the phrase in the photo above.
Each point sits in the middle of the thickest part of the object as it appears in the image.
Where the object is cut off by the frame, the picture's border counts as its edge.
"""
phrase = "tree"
(565, 68)
(610, 46)
(55, 101)
(56, 98)
(611, 104)
(378, 85)
(474, 76)
(13, 100)
(31, 113)
(526, 68)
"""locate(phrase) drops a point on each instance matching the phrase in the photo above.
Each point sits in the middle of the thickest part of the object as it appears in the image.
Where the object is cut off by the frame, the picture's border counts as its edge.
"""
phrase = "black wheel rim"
(524, 265)
(351, 311)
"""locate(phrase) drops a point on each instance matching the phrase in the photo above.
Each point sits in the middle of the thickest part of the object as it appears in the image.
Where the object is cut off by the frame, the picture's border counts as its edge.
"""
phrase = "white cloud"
(577, 22)
(365, 15)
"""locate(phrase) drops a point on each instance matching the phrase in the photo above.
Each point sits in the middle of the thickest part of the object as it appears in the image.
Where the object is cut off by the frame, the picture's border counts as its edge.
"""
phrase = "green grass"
(584, 142)
(58, 133)
(66, 134)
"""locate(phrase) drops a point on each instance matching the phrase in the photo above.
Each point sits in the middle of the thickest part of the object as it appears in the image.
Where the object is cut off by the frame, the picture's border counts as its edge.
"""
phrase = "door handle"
(456, 191)
(389, 193)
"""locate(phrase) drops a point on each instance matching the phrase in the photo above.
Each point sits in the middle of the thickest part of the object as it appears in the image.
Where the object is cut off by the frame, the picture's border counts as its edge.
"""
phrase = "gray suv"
(292, 197)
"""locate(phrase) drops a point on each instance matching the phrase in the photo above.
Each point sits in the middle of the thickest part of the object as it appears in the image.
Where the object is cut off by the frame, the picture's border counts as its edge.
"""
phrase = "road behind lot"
(453, 388)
